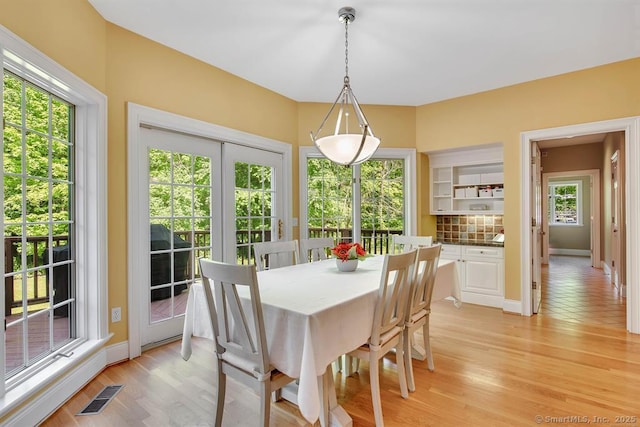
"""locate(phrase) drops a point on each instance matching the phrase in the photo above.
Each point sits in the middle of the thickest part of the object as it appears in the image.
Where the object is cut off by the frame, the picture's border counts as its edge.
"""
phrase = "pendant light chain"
(346, 50)
(346, 148)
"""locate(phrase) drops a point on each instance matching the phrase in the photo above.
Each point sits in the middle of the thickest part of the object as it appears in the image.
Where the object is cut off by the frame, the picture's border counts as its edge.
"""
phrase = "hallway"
(573, 290)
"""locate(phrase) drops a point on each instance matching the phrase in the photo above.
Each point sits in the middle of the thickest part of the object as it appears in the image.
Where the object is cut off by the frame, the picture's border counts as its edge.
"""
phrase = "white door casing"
(631, 128)
(536, 228)
(615, 221)
(140, 116)
(594, 219)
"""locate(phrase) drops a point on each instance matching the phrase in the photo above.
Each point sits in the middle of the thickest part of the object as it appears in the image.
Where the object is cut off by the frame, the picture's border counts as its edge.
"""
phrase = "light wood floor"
(492, 369)
(573, 290)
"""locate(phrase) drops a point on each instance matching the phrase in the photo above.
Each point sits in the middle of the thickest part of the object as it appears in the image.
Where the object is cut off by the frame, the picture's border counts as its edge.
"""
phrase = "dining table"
(313, 314)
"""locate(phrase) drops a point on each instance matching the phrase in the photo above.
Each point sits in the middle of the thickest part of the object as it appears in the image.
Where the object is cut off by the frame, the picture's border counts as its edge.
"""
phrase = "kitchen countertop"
(469, 243)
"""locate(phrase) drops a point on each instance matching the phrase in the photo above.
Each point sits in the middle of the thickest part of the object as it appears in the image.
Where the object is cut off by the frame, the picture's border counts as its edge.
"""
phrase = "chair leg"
(408, 363)
(222, 386)
(265, 403)
(338, 363)
(400, 363)
(374, 378)
(349, 368)
(427, 344)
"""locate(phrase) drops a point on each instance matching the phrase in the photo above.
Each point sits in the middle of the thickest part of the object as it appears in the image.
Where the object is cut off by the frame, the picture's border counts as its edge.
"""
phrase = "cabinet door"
(484, 276)
(451, 252)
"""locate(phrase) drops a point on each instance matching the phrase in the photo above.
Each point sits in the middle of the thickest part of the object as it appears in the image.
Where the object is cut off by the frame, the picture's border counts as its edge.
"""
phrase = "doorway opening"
(629, 140)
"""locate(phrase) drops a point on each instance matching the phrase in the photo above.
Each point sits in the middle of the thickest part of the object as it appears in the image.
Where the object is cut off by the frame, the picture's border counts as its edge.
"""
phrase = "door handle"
(279, 229)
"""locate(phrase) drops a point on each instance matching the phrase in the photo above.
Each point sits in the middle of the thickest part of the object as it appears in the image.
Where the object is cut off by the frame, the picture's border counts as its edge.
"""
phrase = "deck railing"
(374, 242)
(36, 248)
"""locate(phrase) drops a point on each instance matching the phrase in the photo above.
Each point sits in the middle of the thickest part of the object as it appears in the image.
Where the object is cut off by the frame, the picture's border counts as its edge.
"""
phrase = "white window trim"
(579, 203)
(27, 400)
(410, 208)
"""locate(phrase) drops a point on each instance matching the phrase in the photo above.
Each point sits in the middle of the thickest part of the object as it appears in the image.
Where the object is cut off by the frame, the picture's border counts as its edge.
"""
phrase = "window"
(54, 230)
(565, 203)
(366, 203)
(38, 223)
(329, 194)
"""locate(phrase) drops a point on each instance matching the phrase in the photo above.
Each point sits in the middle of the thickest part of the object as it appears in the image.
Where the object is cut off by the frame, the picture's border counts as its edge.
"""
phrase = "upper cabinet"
(467, 181)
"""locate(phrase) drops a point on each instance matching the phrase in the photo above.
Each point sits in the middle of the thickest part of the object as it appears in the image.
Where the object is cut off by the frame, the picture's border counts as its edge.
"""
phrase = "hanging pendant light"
(346, 148)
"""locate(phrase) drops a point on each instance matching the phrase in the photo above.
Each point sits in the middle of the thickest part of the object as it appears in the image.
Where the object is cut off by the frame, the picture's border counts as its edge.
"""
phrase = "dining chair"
(388, 324)
(270, 255)
(419, 306)
(404, 243)
(315, 248)
(239, 334)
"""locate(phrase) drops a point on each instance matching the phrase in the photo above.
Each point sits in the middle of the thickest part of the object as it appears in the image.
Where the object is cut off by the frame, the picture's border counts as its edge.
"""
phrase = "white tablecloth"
(313, 314)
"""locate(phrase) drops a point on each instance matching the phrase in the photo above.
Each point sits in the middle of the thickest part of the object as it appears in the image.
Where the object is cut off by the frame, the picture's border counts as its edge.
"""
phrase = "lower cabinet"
(481, 273)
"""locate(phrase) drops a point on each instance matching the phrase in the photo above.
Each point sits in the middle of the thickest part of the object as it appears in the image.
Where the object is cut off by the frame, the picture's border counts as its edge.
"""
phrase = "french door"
(253, 203)
(180, 221)
(197, 198)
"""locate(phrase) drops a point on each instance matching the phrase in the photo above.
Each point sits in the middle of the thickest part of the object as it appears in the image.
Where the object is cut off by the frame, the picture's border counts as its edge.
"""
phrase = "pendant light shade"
(344, 147)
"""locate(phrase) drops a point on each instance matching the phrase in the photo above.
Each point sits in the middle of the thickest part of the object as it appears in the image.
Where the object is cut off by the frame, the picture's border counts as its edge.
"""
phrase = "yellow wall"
(70, 32)
(601, 93)
(149, 74)
(127, 67)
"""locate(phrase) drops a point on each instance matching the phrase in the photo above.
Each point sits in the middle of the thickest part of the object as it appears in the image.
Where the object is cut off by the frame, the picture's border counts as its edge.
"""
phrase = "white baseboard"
(512, 306)
(482, 299)
(575, 252)
(118, 352)
(41, 406)
(606, 268)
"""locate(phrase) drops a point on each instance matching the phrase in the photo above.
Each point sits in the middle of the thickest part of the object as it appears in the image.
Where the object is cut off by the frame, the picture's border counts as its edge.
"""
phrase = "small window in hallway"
(565, 203)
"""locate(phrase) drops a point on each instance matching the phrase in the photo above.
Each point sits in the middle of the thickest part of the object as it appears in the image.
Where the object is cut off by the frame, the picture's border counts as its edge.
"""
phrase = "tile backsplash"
(467, 228)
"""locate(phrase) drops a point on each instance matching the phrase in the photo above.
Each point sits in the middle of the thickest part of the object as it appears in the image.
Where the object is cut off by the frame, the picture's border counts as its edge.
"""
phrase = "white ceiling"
(403, 52)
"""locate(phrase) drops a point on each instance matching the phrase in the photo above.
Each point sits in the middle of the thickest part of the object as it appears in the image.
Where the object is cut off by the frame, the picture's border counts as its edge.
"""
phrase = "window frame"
(410, 211)
(31, 395)
(551, 203)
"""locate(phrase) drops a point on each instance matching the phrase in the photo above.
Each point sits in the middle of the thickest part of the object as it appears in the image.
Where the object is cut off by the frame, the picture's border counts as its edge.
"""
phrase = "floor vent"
(100, 401)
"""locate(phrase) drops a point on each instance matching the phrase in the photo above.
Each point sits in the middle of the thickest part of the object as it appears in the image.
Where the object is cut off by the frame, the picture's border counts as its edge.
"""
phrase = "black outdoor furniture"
(160, 240)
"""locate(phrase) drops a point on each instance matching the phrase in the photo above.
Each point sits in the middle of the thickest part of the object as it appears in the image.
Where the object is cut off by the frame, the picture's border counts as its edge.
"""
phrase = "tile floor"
(573, 290)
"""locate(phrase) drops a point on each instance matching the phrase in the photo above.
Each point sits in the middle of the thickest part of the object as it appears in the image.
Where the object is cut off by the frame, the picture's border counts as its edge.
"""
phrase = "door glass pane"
(180, 227)
(382, 203)
(255, 220)
(329, 200)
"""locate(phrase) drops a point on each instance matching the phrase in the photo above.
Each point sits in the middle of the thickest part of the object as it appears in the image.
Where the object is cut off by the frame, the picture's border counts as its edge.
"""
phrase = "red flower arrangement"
(347, 251)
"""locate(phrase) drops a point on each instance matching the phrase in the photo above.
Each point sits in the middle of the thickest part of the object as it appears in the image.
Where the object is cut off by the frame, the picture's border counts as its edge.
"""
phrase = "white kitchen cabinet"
(467, 181)
(480, 271)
